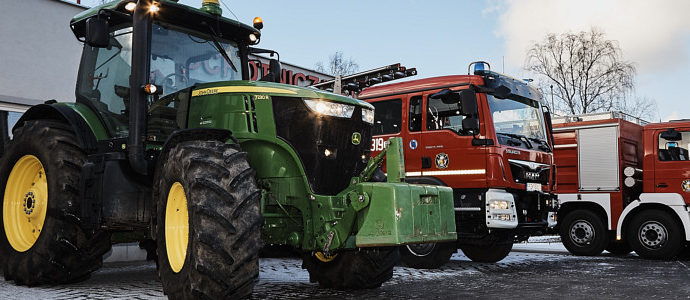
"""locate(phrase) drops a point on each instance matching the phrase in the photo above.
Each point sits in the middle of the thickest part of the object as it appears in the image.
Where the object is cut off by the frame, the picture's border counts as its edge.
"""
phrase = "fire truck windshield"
(518, 118)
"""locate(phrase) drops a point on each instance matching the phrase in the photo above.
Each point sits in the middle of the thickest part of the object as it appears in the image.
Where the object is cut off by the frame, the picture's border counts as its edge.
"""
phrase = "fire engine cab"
(623, 184)
(485, 135)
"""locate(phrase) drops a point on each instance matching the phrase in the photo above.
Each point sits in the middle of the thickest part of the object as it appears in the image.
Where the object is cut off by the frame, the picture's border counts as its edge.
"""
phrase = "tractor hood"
(273, 89)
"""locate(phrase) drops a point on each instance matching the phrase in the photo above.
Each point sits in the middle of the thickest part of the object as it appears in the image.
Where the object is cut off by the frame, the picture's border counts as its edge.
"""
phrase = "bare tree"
(338, 65)
(588, 74)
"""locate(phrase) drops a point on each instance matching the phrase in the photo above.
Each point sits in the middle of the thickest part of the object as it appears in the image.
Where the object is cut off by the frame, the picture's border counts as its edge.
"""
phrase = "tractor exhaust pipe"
(141, 49)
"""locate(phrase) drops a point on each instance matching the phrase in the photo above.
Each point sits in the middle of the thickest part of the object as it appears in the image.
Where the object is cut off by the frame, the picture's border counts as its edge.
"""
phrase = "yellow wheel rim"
(25, 203)
(325, 258)
(176, 227)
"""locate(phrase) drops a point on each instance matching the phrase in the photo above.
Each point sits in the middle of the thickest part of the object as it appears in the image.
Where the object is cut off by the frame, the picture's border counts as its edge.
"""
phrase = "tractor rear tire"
(208, 221)
(62, 251)
(427, 256)
(655, 234)
(583, 233)
(366, 268)
(487, 253)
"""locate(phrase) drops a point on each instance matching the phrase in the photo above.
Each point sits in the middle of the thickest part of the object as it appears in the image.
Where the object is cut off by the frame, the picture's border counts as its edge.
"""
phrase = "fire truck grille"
(523, 174)
(324, 144)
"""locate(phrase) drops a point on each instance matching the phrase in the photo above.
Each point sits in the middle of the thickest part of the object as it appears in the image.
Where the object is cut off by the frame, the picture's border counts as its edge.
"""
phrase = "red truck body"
(622, 185)
(494, 162)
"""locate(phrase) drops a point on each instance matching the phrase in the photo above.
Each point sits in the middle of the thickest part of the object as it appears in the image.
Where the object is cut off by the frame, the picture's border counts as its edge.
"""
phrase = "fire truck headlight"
(368, 115)
(499, 204)
(330, 108)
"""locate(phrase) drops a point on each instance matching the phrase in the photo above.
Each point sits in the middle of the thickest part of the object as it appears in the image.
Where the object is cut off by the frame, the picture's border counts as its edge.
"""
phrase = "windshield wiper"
(543, 145)
(519, 137)
(220, 49)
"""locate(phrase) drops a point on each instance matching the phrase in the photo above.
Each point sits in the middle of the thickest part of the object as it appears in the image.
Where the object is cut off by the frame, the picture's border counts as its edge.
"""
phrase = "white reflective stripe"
(447, 172)
(565, 146)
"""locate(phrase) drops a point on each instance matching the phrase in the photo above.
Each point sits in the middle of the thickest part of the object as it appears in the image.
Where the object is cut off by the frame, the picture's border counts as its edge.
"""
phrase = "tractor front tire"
(655, 234)
(427, 256)
(42, 240)
(583, 233)
(366, 268)
(208, 222)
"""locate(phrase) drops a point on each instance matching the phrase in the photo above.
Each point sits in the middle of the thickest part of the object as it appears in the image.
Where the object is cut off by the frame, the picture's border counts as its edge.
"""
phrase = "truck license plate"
(531, 186)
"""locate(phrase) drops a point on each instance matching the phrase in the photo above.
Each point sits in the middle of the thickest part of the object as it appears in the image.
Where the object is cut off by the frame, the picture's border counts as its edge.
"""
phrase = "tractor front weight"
(392, 213)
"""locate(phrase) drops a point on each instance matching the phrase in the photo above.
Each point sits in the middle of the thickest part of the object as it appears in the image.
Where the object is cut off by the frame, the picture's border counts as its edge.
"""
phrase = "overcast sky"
(443, 37)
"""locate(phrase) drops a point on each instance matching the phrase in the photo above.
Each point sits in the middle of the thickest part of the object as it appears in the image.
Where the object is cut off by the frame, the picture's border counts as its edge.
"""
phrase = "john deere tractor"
(170, 144)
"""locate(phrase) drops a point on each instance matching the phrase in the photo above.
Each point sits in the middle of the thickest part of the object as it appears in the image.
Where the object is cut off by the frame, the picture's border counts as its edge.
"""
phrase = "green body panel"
(400, 213)
(296, 216)
(90, 118)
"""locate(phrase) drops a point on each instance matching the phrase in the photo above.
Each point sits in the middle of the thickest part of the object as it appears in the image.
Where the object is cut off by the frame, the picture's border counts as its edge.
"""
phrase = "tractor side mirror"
(671, 135)
(469, 103)
(274, 70)
(97, 32)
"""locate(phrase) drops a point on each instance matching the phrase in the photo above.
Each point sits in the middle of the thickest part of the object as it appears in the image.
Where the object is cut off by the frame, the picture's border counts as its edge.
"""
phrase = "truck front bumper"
(401, 213)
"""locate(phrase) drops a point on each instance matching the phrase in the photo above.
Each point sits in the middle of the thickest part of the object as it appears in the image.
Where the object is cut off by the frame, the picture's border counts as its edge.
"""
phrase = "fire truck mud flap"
(401, 213)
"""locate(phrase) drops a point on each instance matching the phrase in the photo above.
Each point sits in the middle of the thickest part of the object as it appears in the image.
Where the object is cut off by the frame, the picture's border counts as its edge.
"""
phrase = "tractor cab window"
(387, 116)
(674, 148)
(415, 118)
(180, 59)
(441, 116)
(104, 80)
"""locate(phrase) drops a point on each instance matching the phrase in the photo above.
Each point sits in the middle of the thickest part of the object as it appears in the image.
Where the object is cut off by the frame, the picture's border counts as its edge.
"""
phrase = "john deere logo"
(686, 185)
(356, 138)
(441, 160)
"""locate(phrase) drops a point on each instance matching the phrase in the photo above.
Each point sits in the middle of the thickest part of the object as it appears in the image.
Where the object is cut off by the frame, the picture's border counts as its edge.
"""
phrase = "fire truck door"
(672, 164)
(448, 148)
(413, 153)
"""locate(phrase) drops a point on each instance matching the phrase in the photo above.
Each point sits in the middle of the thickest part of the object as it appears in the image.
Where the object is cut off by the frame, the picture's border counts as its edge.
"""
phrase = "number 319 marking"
(378, 144)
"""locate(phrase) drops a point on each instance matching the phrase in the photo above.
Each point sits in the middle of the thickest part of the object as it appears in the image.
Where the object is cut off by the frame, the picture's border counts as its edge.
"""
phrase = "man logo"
(356, 138)
(441, 160)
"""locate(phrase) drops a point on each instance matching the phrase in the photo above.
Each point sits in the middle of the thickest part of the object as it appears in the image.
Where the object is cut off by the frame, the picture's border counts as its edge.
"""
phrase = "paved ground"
(539, 270)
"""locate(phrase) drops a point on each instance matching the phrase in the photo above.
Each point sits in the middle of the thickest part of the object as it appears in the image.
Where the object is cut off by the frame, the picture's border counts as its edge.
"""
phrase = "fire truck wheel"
(208, 221)
(583, 233)
(655, 234)
(487, 253)
(366, 268)
(42, 240)
(427, 256)
(618, 248)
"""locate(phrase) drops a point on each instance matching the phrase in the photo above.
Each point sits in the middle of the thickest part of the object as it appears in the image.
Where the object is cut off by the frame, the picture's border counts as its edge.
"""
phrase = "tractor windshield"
(180, 59)
(518, 122)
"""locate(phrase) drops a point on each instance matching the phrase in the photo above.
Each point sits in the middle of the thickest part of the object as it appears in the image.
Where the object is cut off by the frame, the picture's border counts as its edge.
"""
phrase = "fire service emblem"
(441, 160)
(686, 185)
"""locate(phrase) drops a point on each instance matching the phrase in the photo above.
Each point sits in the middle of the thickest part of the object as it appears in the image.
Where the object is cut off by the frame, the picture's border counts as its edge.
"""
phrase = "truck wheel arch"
(669, 202)
(568, 207)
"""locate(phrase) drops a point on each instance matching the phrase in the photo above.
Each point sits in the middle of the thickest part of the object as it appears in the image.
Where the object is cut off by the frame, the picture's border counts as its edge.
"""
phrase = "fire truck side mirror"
(671, 135)
(97, 32)
(471, 124)
(469, 103)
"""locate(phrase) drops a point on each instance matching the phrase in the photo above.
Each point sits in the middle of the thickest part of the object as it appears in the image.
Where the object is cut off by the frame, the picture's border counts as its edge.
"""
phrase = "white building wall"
(39, 55)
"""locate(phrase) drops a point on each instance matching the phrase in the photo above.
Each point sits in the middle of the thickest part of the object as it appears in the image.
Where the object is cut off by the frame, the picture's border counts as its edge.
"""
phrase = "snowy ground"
(540, 269)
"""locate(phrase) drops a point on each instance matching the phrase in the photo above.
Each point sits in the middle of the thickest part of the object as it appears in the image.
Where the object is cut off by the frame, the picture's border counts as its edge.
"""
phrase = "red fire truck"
(486, 136)
(623, 184)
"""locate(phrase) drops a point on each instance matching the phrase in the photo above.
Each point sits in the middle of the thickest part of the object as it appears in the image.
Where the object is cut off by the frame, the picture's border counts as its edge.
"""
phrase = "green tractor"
(169, 144)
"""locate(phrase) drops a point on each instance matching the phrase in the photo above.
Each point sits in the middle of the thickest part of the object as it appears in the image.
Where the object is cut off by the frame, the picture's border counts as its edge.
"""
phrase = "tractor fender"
(195, 134)
(85, 137)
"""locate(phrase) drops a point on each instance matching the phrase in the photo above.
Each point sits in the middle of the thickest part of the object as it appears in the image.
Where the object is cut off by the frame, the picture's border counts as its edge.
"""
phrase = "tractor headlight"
(330, 108)
(368, 115)
(499, 204)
